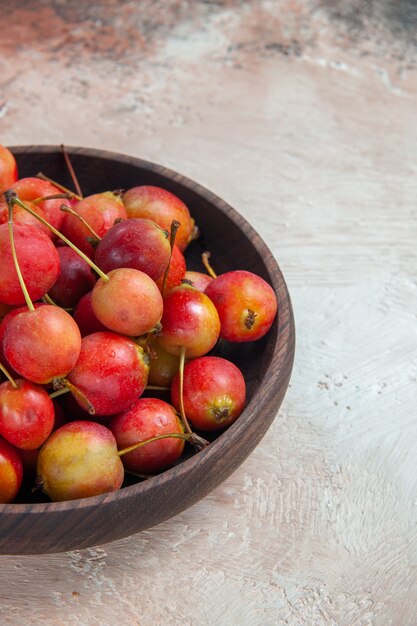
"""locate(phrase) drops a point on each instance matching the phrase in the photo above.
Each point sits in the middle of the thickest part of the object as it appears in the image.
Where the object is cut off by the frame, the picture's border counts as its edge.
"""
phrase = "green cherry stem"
(58, 185)
(190, 437)
(63, 383)
(67, 209)
(58, 392)
(205, 258)
(9, 378)
(15, 200)
(56, 196)
(174, 229)
(181, 382)
(71, 170)
(10, 203)
(48, 300)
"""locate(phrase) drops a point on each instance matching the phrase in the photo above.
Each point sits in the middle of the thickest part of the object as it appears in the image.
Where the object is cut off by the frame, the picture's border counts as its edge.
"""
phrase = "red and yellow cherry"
(75, 279)
(8, 168)
(29, 189)
(214, 392)
(127, 302)
(11, 472)
(176, 271)
(147, 418)
(163, 366)
(85, 317)
(189, 321)
(38, 259)
(198, 280)
(100, 212)
(26, 414)
(111, 372)
(137, 243)
(20, 216)
(162, 207)
(79, 460)
(246, 304)
(42, 344)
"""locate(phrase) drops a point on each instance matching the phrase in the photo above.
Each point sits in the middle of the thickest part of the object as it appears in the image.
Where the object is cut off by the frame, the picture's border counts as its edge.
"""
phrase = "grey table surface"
(302, 115)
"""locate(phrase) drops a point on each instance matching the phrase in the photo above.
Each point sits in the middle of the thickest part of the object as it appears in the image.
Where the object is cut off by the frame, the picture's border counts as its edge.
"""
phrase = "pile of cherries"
(97, 306)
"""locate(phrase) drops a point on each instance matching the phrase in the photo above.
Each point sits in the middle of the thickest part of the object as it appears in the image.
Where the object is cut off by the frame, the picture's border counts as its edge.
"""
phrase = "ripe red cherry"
(42, 344)
(128, 302)
(26, 414)
(8, 168)
(162, 207)
(38, 260)
(85, 317)
(147, 418)
(246, 304)
(11, 472)
(29, 189)
(75, 279)
(176, 271)
(100, 212)
(79, 460)
(198, 280)
(137, 243)
(189, 321)
(111, 372)
(214, 392)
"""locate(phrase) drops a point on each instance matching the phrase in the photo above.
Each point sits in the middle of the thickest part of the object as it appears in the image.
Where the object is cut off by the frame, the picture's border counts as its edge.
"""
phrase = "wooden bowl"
(45, 527)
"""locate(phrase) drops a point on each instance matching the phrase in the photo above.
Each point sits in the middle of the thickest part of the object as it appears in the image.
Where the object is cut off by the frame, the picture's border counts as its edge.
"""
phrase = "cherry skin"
(26, 414)
(41, 345)
(29, 189)
(198, 280)
(246, 304)
(147, 418)
(8, 168)
(38, 259)
(75, 279)
(162, 207)
(79, 460)
(214, 392)
(189, 321)
(137, 243)
(85, 317)
(100, 212)
(176, 271)
(129, 302)
(11, 472)
(163, 366)
(111, 372)
(20, 216)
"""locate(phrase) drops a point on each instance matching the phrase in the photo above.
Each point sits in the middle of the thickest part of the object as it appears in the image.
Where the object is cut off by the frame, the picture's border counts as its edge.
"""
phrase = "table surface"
(302, 115)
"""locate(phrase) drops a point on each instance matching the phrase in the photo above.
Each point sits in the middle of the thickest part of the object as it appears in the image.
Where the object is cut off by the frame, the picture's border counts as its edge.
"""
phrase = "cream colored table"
(304, 118)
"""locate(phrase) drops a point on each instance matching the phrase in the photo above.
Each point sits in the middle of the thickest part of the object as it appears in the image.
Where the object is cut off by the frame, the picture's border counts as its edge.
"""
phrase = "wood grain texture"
(302, 116)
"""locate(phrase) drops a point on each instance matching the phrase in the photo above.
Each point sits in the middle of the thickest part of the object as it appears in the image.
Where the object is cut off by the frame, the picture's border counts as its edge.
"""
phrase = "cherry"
(214, 392)
(145, 419)
(85, 317)
(26, 414)
(99, 211)
(79, 460)
(20, 216)
(127, 301)
(38, 259)
(111, 372)
(136, 243)
(163, 366)
(41, 344)
(197, 280)
(162, 207)
(11, 472)
(8, 168)
(29, 189)
(75, 279)
(189, 321)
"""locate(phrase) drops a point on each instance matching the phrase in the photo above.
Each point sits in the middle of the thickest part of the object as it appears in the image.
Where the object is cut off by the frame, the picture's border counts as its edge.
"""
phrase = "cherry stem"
(64, 383)
(58, 185)
(205, 258)
(56, 196)
(58, 392)
(71, 171)
(196, 440)
(15, 200)
(49, 300)
(144, 476)
(174, 229)
(156, 388)
(67, 209)
(9, 378)
(10, 201)
(181, 382)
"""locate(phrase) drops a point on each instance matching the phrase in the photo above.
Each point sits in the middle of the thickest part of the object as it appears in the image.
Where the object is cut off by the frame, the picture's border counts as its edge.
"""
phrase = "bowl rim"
(281, 358)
